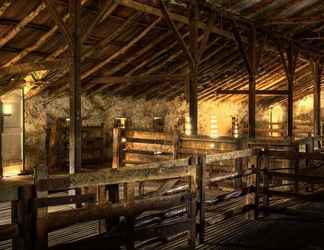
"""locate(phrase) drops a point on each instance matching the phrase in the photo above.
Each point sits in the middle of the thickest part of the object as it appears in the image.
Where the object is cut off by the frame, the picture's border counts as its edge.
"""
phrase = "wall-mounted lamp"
(187, 126)
(235, 127)
(120, 122)
(7, 109)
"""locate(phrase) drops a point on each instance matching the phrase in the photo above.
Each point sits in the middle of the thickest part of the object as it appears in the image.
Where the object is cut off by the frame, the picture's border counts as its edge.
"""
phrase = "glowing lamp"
(213, 127)
(7, 109)
(188, 126)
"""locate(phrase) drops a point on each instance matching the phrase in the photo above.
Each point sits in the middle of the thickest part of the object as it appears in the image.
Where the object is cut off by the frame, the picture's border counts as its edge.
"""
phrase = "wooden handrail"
(232, 155)
(145, 172)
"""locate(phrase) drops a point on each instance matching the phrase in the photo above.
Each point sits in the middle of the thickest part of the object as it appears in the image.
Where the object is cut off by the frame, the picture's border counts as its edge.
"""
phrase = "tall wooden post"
(290, 77)
(41, 230)
(75, 90)
(192, 88)
(289, 63)
(251, 64)
(1, 131)
(317, 98)
(252, 80)
(23, 132)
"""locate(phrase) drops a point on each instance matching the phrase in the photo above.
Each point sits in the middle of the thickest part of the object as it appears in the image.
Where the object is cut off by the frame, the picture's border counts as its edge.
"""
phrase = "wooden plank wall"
(146, 146)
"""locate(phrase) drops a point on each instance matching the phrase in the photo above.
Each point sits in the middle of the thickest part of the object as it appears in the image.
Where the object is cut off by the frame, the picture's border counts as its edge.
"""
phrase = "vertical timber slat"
(75, 90)
(252, 57)
(317, 98)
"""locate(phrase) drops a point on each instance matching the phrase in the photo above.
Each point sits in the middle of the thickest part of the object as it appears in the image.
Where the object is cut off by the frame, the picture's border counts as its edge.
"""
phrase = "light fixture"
(7, 108)
(120, 122)
(213, 127)
(235, 127)
(187, 126)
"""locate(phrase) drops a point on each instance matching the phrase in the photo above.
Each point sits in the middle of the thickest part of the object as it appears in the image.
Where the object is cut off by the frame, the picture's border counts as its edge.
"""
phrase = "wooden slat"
(57, 201)
(232, 155)
(145, 158)
(149, 147)
(149, 135)
(63, 219)
(145, 172)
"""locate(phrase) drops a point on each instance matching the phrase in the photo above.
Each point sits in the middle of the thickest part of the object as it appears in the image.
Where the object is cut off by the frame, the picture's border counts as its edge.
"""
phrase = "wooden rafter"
(121, 51)
(4, 6)
(59, 22)
(30, 67)
(172, 26)
(22, 24)
(204, 42)
(41, 41)
(245, 92)
(240, 45)
(107, 9)
(111, 80)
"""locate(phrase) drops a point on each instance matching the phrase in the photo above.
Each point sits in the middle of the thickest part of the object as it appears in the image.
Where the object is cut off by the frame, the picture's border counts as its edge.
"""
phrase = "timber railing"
(301, 174)
(20, 229)
(34, 222)
(245, 188)
(132, 147)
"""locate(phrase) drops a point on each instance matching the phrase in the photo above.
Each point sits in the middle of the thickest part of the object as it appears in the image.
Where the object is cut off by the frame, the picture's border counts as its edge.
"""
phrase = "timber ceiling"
(131, 50)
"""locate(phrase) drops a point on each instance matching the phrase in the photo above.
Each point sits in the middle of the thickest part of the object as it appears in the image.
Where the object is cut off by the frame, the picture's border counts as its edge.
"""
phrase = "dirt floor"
(272, 232)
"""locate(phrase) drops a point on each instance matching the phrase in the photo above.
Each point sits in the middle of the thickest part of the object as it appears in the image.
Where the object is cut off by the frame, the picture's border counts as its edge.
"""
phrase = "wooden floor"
(273, 232)
(238, 233)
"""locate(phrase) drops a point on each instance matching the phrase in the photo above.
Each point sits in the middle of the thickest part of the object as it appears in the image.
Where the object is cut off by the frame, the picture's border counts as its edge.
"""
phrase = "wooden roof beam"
(224, 33)
(30, 67)
(172, 26)
(245, 92)
(107, 9)
(23, 23)
(59, 22)
(41, 41)
(121, 51)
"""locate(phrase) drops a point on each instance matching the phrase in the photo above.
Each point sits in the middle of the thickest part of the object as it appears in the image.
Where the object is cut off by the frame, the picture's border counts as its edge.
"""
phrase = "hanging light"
(213, 127)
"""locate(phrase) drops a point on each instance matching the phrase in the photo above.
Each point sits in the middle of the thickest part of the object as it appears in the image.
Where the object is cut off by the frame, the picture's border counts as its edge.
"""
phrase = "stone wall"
(99, 109)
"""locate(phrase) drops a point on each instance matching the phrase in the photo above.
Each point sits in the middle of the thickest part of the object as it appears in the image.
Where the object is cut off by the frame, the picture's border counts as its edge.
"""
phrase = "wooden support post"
(23, 131)
(290, 92)
(113, 190)
(252, 58)
(295, 149)
(193, 81)
(202, 196)
(22, 215)
(192, 207)
(317, 98)
(1, 131)
(116, 161)
(129, 197)
(238, 183)
(41, 214)
(289, 64)
(102, 198)
(75, 90)
(258, 190)
(266, 197)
